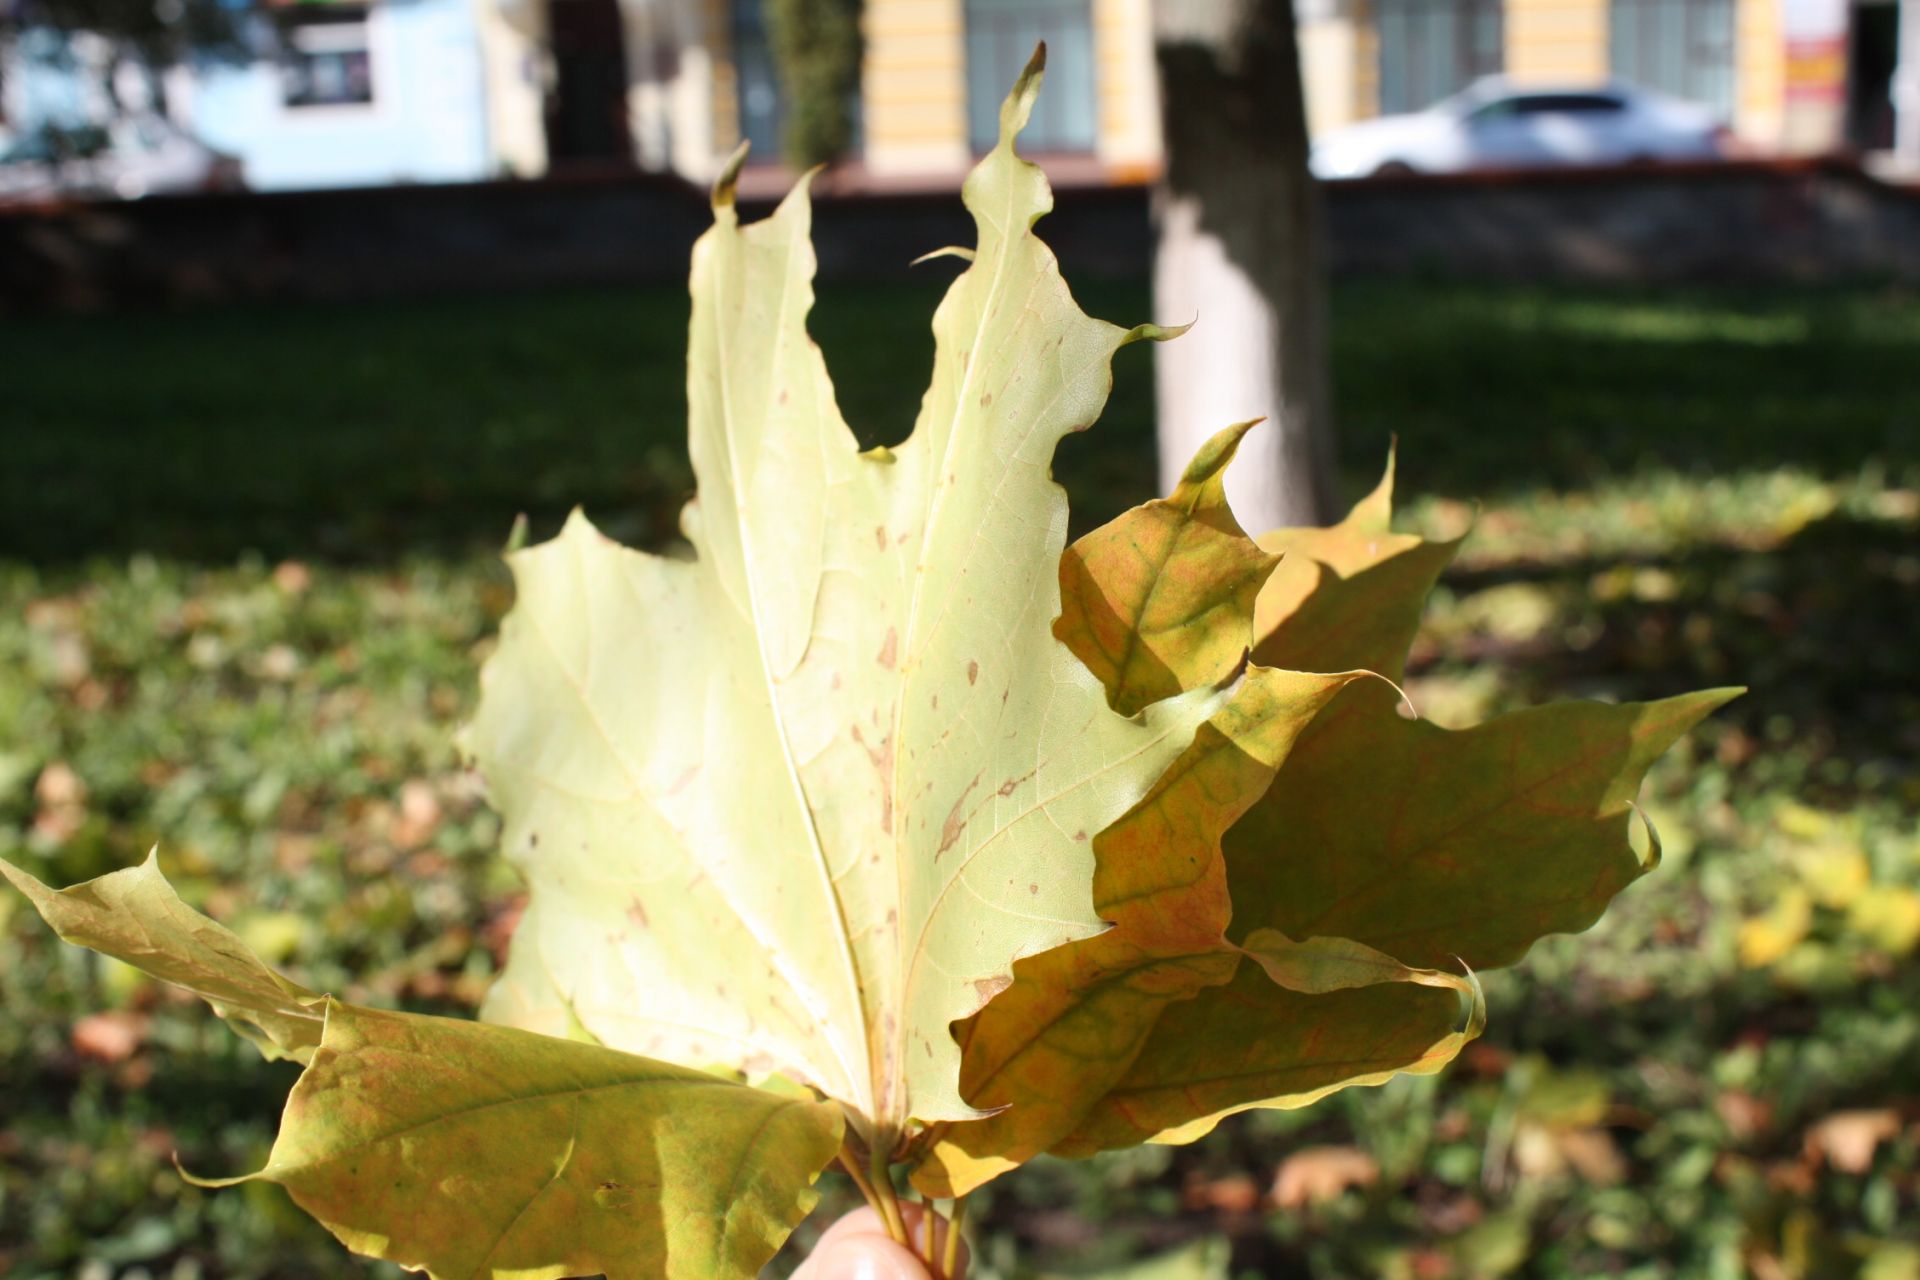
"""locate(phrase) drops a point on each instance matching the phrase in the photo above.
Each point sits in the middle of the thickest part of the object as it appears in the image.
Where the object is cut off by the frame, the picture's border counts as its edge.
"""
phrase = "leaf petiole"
(950, 1254)
(886, 1200)
(851, 1163)
(927, 1245)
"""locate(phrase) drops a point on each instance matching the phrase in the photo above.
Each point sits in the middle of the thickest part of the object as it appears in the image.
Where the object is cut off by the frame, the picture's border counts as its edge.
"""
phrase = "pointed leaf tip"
(1018, 107)
(1373, 514)
(945, 251)
(729, 177)
(1650, 860)
(1316, 966)
(135, 916)
(1209, 461)
(1161, 599)
(1151, 332)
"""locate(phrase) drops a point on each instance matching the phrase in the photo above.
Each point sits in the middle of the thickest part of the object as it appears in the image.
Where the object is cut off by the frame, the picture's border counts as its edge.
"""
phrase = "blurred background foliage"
(243, 598)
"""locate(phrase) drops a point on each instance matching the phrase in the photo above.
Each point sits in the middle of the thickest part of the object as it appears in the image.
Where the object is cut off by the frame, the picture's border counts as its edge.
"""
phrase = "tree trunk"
(1241, 251)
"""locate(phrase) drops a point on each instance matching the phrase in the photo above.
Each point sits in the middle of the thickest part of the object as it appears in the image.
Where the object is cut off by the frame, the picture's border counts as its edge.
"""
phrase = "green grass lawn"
(367, 433)
(247, 574)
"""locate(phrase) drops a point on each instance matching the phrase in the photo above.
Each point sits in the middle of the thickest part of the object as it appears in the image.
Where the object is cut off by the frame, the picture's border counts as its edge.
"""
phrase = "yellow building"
(700, 78)
(676, 84)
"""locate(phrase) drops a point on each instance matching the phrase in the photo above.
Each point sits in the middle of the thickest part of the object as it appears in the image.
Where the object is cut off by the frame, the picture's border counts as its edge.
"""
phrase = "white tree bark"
(1906, 88)
(1241, 252)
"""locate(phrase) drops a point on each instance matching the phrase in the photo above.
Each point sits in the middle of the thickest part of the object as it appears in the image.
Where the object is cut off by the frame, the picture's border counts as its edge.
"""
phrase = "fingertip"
(859, 1256)
(862, 1221)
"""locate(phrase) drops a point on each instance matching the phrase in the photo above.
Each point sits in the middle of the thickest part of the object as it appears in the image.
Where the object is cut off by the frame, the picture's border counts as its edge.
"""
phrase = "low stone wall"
(1808, 220)
(1743, 221)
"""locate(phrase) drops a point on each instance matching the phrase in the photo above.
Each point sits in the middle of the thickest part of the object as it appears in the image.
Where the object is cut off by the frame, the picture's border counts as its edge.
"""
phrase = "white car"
(1496, 124)
(130, 157)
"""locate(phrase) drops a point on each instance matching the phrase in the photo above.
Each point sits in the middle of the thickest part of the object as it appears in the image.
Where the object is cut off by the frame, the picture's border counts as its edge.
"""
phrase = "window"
(1540, 104)
(30, 148)
(762, 106)
(1432, 48)
(1681, 47)
(325, 62)
(1000, 38)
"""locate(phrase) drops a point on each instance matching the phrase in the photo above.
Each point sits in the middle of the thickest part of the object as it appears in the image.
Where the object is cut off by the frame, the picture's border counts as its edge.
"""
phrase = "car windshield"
(34, 148)
(1561, 103)
(1539, 104)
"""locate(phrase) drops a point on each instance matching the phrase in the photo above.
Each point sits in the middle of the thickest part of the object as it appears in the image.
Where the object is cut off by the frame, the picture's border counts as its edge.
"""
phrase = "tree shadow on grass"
(1499, 390)
(366, 432)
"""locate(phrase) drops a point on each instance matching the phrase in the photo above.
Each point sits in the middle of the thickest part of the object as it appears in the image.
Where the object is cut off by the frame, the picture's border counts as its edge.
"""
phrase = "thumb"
(862, 1256)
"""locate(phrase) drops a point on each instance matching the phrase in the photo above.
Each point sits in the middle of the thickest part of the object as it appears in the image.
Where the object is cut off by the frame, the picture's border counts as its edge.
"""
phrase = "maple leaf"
(797, 803)
(464, 1149)
(1299, 904)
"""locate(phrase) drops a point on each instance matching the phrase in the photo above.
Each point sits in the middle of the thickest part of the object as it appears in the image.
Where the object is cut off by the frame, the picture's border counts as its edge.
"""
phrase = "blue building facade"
(336, 95)
(355, 96)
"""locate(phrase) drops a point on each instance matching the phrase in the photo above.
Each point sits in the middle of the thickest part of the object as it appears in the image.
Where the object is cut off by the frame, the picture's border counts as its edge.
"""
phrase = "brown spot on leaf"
(986, 398)
(880, 536)
(956, 819)
(973, 671)
(638, 914)
(1079, 837)
(889, 649)
(1033, 889)
(882, 760)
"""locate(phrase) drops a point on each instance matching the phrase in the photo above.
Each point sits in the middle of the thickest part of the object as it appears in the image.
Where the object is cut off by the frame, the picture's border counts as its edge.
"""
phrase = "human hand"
(857, 1248)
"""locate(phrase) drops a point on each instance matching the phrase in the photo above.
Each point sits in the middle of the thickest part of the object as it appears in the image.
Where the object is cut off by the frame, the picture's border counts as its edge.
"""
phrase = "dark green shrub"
(816, 50)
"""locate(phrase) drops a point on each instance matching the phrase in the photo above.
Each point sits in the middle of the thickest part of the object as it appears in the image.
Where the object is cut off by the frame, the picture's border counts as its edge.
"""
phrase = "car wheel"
(1393, 169)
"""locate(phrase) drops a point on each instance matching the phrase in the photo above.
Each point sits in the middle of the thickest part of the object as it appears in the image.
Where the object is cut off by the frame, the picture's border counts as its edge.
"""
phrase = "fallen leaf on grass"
(1847, 1140)
(1233, 1193)
(113, 1035)
(1315, 1175)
